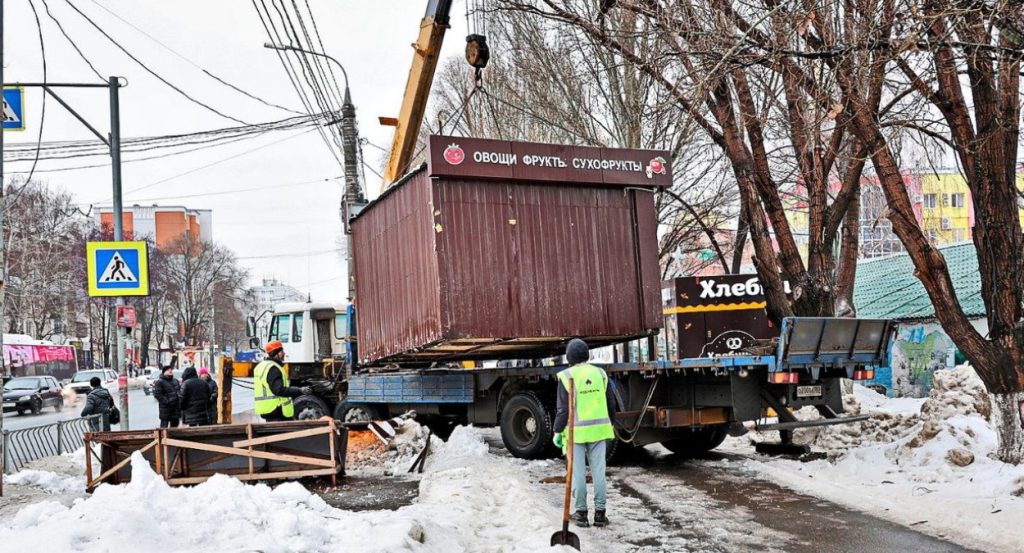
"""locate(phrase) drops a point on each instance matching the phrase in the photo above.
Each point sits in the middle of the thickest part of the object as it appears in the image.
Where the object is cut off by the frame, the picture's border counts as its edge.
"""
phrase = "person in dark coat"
(167, 390)
(195, 398)
(98, 402)
(204, 374)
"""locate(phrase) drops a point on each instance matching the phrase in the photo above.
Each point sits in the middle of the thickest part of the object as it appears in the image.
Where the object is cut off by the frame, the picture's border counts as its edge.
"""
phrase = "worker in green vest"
(272, 394)
(592, 428)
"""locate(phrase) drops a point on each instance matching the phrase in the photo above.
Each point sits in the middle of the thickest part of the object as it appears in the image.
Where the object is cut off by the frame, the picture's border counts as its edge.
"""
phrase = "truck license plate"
(808, 391)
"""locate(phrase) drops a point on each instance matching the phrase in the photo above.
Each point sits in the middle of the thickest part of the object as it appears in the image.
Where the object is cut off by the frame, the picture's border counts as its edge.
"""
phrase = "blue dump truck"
(473, 271)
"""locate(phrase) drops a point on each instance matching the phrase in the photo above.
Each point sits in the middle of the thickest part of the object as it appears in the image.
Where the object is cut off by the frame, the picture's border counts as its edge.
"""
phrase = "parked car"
(80, 382)
(32, 393)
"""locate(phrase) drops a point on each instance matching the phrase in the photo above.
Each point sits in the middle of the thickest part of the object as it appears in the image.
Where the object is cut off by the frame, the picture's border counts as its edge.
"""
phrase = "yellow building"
(947, 212)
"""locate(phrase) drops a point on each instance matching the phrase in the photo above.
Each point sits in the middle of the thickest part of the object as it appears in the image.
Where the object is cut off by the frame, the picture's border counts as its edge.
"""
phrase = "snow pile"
(469, 501)
(48, 481)
(367, 455)
(59, 474)
(922, 462)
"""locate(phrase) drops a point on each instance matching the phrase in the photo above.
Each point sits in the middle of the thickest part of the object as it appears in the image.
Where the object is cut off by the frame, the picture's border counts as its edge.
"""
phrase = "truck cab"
(311, 333)
(316, 340)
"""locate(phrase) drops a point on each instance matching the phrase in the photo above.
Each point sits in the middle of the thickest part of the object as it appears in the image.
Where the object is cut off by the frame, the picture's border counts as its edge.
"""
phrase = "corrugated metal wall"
(521, 260)
(449, 269)
(397, 293)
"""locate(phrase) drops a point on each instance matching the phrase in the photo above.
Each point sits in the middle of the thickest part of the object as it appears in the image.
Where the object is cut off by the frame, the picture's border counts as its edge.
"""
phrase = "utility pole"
(213, 362)
(3, 258)
(353, 199)
(115, 170)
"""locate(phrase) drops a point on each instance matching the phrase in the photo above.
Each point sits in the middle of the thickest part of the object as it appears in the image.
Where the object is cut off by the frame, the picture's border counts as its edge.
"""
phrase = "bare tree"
(197, 274)
(555, 83)
(774, 119)
(43, 229)
(962, 58)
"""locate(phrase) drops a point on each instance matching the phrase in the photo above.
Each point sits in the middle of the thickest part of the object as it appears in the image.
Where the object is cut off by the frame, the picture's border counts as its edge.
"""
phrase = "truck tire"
(697, 442)
(310, 407)
(526, 427)
(347, 411)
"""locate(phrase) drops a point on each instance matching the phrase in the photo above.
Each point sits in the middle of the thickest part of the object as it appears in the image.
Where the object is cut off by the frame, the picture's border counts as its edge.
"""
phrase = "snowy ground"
(904, 464)
(475, 498)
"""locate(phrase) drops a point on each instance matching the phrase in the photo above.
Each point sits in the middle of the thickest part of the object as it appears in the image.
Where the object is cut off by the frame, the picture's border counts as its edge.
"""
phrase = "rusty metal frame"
(292, 449)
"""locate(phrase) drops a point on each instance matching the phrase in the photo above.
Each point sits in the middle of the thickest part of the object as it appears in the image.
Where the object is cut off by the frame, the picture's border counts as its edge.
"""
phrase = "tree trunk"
(848, 253)
(1008, 421)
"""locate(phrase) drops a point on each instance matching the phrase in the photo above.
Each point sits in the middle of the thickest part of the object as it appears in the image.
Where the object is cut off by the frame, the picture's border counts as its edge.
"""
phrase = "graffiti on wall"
(917, 352)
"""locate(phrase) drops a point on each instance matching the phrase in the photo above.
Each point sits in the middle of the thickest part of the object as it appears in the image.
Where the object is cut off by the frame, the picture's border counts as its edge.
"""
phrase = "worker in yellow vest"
(272, 394)
(592, 428)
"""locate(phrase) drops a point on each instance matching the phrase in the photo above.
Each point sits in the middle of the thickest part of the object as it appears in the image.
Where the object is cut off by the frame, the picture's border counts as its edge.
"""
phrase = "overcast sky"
(272, 229)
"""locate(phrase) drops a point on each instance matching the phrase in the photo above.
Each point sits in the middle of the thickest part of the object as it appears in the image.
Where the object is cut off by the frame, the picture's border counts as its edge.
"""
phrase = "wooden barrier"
(275, 450)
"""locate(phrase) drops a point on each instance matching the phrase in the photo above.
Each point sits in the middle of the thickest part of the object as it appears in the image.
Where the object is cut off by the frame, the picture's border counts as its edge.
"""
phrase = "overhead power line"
(237, 190)
(215, 137)
(289, 68)
(294, 254)
(42, 109)
(74, 45)
(208, 165)
(150, 71)
(192, 63)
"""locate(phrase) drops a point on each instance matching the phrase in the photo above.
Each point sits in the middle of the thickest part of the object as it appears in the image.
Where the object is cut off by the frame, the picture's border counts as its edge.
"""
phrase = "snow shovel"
(564, 536)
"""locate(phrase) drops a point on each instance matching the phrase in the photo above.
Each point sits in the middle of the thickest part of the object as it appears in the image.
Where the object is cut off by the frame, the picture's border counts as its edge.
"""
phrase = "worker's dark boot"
(600, 519)
(580, 518)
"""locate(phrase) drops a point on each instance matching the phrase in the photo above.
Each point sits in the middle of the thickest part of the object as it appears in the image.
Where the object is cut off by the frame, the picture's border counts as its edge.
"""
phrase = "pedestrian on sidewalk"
(167, 390)
(211, 412)
(195, 398)
(98, 402)
(592, 428)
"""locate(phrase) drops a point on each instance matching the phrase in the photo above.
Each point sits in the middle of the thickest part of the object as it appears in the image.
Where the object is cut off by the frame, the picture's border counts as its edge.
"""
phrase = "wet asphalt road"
(143, 409)
(813, 525)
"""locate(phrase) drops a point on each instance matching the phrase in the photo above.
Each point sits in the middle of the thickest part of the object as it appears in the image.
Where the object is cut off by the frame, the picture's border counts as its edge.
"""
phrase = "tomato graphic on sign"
(656, 167)
(454, 155)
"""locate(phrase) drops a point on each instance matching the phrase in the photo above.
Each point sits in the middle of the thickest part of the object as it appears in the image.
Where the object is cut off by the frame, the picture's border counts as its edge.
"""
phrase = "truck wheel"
(310, 407)
(697, 442)
(347, 411)
(526, 427)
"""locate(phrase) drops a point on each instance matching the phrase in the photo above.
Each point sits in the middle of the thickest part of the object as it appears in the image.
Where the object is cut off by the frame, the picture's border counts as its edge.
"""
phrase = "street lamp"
(354, 199)
(285, 48)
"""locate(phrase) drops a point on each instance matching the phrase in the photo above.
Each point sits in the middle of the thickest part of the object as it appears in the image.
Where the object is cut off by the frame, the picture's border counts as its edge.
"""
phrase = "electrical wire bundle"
(88, 148)
(312, 78)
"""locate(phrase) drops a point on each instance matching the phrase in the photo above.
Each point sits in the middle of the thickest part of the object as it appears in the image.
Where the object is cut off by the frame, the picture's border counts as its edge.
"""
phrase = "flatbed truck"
(689, 405)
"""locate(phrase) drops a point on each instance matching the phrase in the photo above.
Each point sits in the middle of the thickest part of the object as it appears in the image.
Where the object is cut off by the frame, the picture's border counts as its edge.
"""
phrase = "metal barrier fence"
(29, 444)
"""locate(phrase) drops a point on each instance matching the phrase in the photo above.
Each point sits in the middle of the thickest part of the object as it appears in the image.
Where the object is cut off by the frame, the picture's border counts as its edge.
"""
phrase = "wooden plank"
(282, 437)
(159, 467)
(334, 477)
(248, 432)
(88, 461)
(253, 453)
(121, 464)
(257, 476)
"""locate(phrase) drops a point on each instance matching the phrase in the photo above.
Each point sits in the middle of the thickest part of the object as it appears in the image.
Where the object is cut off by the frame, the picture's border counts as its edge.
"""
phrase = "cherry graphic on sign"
(454, 155)
(656, 167)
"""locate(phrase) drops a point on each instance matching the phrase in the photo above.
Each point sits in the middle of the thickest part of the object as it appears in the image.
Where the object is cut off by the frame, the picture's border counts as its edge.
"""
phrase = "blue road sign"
(13, 108)
(117, 268)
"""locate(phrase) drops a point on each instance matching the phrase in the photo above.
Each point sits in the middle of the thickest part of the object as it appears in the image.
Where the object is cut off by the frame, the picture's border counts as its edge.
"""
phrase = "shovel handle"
(568, 475)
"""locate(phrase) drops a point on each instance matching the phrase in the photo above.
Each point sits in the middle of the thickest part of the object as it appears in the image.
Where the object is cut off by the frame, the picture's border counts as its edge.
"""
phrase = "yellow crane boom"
(417, 88)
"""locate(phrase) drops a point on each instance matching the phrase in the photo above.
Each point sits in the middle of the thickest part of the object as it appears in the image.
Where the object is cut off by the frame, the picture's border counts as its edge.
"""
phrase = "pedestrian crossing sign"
(117, 268)
(13, 115)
